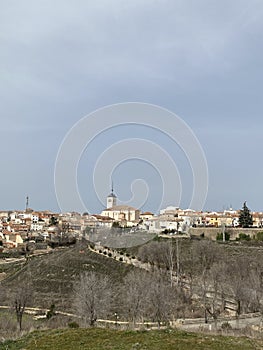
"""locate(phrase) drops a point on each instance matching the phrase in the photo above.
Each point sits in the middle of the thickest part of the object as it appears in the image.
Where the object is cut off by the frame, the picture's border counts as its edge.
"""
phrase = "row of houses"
(172, 218)
(180, 220)
(17, 227)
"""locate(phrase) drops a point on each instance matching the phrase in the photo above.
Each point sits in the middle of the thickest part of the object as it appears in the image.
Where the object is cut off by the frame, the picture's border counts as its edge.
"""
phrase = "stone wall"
(211, 232)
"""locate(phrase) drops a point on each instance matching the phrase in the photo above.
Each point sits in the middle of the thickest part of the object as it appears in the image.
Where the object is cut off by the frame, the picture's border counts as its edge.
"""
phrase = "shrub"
(259, 236)
(73, 325)
(157, 238)
(226, 326)
(243, 237)
(51, 312)
(167, 231)
(109, 255)
(121, 259)
(219, 236)
(100, 251)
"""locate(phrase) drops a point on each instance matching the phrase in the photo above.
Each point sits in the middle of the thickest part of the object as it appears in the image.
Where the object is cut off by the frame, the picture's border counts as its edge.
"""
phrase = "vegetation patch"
(102, 339)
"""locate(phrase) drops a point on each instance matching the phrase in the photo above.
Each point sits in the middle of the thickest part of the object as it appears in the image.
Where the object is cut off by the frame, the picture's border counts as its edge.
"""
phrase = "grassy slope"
(99, 339)
(53, 275)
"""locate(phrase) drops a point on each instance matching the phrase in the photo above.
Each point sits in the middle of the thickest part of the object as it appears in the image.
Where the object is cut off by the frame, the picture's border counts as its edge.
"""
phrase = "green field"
(100, 339)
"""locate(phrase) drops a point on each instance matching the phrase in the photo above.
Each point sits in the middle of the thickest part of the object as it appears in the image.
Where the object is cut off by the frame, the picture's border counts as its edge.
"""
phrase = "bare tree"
(92, 296)
(256, 284)
(189, 267)
(171, 260)
(162, 255)
(134, 294)
(162, 301)
(154, 253)
(214, 294)
(238, 279)
(206, 254)
(22, 296)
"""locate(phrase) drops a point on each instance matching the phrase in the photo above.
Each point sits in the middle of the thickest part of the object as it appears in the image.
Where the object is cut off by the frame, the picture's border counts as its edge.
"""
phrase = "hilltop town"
(28, 229)
(166, 262)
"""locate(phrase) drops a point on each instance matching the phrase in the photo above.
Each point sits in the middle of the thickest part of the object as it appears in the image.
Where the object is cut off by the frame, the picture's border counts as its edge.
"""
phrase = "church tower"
(111, 199)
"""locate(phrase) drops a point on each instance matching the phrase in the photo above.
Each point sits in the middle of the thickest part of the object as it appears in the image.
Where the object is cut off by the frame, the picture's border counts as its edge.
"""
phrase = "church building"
(124, 214)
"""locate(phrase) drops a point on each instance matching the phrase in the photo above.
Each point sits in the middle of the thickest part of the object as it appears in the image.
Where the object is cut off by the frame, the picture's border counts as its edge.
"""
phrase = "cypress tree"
(245, 217)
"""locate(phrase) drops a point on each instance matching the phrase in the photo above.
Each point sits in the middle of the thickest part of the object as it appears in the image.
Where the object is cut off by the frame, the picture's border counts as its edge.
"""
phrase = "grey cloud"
(202, 59)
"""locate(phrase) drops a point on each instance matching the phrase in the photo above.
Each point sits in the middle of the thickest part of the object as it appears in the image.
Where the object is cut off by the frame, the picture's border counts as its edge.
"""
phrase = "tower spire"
(27, 202)
(111, 199)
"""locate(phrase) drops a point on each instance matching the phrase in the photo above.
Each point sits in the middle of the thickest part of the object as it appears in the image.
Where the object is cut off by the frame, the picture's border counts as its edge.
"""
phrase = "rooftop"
(120, 208)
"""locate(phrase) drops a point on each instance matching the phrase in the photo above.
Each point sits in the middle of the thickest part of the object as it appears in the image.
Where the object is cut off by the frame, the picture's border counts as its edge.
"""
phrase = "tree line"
(204, 276)
(187, 279)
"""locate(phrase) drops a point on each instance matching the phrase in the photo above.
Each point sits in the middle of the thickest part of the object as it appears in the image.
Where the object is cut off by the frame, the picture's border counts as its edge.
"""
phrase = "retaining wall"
(211, 232)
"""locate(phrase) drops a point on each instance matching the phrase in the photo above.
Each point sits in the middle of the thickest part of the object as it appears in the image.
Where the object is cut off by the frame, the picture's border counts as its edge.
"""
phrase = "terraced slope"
(53, 275)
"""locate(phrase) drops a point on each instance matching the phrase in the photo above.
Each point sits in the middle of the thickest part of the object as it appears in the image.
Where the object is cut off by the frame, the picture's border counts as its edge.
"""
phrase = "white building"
(124, 214)
(37, 226)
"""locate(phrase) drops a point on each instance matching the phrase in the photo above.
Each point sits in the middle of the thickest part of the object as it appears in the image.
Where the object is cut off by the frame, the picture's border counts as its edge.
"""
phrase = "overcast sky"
(61, 60)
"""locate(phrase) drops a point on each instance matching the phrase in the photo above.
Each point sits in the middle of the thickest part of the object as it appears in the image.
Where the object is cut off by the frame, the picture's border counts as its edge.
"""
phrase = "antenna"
(112, 187)
(27, 202)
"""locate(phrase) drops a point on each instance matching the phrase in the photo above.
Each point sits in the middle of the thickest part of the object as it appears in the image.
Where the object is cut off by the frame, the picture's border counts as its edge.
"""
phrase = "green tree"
(53, 221)
(245, 217)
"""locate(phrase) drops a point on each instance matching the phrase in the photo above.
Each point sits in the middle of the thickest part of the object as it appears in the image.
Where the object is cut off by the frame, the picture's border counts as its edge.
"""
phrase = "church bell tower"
(111, 199)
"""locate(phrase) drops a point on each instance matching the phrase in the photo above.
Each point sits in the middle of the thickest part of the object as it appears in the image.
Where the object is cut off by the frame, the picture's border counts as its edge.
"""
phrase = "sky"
(62, 60)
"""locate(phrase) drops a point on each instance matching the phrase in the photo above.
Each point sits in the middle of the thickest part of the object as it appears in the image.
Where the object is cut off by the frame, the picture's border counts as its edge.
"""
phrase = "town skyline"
(116, 202)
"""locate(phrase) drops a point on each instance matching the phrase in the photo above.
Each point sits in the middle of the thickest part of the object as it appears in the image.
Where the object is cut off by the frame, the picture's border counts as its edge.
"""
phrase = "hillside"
(102, 339)
(52, 275)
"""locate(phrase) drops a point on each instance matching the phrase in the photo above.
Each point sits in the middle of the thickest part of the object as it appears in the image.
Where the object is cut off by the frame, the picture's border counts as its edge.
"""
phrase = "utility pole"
(224, 231)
